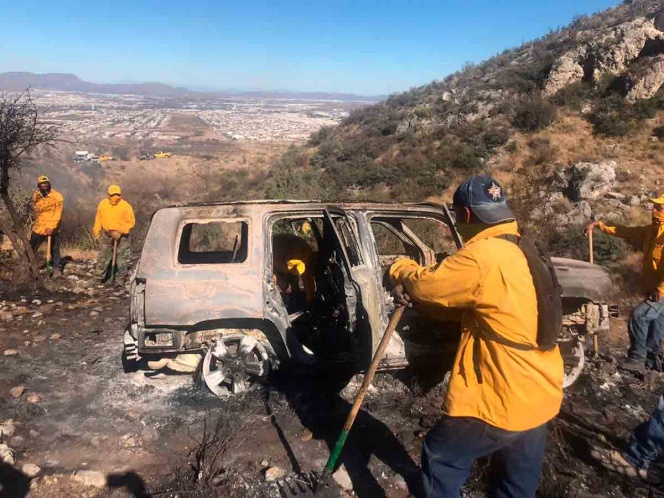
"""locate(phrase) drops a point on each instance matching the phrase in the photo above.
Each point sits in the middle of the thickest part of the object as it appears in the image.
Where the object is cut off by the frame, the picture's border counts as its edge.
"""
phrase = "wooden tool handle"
(591, 252)
(368, 377)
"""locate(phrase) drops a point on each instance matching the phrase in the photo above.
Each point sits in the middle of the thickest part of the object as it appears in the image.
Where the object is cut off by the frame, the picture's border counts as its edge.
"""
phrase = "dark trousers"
(454, 443)
(646, 443)
(646, 331)
(36, 240)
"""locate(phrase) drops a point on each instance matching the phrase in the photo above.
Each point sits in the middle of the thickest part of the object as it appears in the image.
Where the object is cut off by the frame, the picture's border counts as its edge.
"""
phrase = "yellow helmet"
(296, 266)
(658, 200)
(114, 190)
(43, 179)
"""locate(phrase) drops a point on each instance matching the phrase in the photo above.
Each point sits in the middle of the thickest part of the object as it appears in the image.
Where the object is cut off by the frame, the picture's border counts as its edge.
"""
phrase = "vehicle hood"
(583, 280)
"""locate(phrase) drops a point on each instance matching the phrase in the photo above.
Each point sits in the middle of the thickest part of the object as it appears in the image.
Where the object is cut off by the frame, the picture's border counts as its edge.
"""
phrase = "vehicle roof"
(281, 202)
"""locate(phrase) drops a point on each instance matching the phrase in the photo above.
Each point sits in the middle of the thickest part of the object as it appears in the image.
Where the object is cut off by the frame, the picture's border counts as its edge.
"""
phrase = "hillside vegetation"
(587, 94)
(416, 143)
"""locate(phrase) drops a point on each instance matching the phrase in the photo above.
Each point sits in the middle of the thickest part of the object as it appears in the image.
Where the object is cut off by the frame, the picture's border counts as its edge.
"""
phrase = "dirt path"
(138, 429)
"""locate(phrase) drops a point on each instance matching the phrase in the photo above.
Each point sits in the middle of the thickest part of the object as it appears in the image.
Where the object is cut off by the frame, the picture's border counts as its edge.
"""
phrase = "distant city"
(136, 117)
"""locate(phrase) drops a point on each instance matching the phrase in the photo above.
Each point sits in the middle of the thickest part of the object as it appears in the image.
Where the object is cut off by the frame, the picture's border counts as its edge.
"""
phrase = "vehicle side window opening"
(214, 242)
(436, 234)
(320, 319)
(295, 251)
(425, 240)
(392, 243)
(348, 240)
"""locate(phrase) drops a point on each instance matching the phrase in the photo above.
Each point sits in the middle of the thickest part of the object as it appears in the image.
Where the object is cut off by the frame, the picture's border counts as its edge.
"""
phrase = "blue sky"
(365, 46)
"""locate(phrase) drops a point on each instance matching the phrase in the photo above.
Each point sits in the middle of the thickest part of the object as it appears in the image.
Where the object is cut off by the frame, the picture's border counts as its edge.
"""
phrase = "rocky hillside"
(581, 99)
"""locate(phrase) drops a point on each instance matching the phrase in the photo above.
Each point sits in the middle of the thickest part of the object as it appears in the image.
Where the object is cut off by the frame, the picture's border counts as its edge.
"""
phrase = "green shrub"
(612, 116)
(571, 242)
(533, 114)
(574, 95)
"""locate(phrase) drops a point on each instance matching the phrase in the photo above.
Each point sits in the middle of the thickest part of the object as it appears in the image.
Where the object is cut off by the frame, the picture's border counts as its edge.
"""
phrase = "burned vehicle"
(235, 290)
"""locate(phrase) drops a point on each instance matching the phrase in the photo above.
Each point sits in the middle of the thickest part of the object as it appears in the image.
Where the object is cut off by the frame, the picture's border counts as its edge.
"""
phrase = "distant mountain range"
(18, 81)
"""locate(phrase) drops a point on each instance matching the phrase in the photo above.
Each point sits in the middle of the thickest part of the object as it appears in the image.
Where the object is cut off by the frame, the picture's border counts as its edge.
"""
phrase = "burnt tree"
(21, 132)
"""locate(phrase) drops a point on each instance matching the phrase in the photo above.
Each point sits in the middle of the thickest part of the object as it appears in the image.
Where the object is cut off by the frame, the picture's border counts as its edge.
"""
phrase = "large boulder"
(586, 181)
(607, 51)
(646, 81)
(579, 215)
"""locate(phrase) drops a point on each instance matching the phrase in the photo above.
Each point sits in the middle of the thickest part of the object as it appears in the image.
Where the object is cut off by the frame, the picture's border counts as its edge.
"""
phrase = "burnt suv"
(206, 297)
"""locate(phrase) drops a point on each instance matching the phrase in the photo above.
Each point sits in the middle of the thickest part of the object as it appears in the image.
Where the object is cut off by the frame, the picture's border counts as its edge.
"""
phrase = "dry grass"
(78, 254)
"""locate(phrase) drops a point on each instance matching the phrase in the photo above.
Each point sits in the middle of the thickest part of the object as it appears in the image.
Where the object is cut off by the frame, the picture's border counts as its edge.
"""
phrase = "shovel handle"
(591, 252)
(368, 377)
(48, 252)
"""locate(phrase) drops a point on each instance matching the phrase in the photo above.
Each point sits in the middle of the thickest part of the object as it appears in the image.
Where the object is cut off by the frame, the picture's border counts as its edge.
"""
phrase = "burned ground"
(165, 436)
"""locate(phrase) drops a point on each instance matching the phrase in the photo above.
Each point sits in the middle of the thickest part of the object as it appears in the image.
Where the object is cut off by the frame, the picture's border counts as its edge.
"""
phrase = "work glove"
(400, 296)
(49, 231)
(115, 235)
(590, 227)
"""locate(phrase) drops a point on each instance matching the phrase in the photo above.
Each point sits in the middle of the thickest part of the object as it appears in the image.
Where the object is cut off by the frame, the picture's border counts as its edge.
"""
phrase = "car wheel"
(574, 358)
(234, 364)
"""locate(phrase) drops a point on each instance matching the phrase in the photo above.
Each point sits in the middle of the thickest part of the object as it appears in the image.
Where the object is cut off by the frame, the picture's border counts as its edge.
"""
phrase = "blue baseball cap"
(486, 198)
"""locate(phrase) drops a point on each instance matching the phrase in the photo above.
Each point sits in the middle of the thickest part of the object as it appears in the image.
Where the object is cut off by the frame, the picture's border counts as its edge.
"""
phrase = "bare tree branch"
(21, 132)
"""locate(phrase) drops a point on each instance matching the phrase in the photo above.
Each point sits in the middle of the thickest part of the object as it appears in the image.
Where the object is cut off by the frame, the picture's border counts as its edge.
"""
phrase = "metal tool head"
(309, 485)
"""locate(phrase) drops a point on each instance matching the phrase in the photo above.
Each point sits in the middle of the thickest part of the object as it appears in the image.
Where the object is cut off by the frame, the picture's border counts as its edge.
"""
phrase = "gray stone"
(31, 470)
(633, 200)
(11, 352)
(90, 478)
(7, 428)
(399, 482)
(342, 478)
(6, 454)
(579, 215)
(615, 195)
(274, 474)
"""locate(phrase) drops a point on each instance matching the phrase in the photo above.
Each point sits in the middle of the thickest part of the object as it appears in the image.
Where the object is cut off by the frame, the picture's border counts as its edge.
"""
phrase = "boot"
(632, 365)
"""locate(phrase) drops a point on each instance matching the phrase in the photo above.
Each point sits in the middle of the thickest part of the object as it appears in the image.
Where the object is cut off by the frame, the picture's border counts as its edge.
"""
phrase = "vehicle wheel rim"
(234, 364)
(574, 359)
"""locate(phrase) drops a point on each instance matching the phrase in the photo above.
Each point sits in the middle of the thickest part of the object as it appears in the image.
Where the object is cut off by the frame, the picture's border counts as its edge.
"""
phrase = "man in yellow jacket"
(646, 325)
(113, 223)
(48, 205)
(500, 398)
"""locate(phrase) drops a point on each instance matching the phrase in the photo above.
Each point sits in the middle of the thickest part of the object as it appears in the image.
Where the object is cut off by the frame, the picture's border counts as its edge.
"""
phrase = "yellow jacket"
(48, 211)
(489, 281)
(650, 240)
(118, 217)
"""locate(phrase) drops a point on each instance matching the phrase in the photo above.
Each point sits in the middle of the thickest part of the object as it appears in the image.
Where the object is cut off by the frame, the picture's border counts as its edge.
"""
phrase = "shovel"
(591, 258)
(48, 254)
(115, 256)
(326, 487)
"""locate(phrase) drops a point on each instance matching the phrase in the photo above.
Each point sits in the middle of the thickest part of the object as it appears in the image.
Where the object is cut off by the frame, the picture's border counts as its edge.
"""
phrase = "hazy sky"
(363, 46)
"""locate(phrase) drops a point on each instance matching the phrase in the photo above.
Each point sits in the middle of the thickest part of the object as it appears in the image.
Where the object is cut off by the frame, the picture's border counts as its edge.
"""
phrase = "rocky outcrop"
(609, 51)
(645, 83)
(586, 181)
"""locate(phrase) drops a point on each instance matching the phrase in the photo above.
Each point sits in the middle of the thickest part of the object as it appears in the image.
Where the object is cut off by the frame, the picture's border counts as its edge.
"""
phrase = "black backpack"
(549, 300)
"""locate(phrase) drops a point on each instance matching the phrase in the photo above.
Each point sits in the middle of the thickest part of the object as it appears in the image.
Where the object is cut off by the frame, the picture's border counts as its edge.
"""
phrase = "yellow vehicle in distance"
(161, 155)
(103, 158)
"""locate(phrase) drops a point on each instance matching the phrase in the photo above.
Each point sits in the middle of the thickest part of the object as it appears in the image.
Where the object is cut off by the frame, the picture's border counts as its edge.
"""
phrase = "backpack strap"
(486, 334)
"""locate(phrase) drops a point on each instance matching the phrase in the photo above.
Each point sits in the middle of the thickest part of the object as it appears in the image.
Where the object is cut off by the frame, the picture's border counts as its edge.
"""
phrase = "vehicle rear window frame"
(207, 221)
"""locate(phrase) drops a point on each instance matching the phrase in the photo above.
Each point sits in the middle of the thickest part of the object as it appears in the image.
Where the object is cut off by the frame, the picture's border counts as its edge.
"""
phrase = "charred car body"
(206, 294)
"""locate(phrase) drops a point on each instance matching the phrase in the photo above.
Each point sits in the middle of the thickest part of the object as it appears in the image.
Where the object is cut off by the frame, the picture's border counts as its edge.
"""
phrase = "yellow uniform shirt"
(48, 211)
(650, 240)
(489, 281)
(110, 217)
